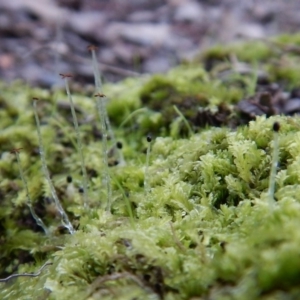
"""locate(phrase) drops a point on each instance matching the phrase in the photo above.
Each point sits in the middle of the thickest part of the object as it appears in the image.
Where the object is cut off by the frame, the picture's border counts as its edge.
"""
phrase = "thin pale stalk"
(104, 153)
(29, 202)
(146, 177)
(275, 157)
(27, 274)
(127, 201)
(98, 84)
(183, 118)
(79, 145)
(64, 217)
(105, 127)
(122, 161)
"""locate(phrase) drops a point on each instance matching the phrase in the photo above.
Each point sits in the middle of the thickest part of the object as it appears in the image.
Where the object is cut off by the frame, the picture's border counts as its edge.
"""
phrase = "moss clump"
(206, 227)
(201, 101)
(275, 59)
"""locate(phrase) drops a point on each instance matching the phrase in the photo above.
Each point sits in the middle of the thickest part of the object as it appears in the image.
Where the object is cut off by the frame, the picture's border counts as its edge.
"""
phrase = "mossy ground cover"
(206, 228)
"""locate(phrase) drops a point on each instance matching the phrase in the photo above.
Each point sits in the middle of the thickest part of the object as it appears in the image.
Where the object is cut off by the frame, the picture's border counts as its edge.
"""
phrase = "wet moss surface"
(207, 228)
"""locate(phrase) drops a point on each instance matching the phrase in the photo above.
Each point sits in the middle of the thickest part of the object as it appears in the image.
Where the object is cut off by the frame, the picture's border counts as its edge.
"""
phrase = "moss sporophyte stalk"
(79, 141)
(212, 211)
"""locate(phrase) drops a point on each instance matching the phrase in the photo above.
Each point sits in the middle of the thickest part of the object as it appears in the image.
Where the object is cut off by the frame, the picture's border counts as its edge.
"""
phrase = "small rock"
(253, 31)
(39, 76)
(249, 108)
(87, 22)
(292, 106)
(190, 11)
(123, 52)
(158, 64)
(141, 16)
(6, 61)
(145, 34)
(295, 93)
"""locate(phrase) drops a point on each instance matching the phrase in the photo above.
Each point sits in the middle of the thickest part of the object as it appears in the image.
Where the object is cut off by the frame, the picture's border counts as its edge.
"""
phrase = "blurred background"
(39, 39)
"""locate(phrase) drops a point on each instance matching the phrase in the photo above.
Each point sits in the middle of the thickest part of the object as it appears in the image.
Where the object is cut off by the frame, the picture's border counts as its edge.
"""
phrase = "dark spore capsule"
(149, 138)
(69, 179)
(119, 145)
(276, 126)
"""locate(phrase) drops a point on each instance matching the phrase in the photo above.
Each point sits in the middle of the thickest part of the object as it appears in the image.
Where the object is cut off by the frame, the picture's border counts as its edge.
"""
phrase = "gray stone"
(190, 11)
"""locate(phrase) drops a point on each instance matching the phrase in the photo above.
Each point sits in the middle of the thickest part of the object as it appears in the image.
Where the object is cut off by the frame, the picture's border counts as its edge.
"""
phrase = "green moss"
(286, 73)
(241, 64)
(205, 228)
(288, 39)
(249, 52)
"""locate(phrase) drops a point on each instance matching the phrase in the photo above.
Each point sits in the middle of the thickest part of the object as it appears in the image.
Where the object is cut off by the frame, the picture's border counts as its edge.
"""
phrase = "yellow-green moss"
(204, 230)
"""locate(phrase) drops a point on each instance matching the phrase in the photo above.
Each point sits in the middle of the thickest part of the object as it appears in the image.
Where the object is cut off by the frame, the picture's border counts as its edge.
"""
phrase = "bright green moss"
(288, 39)
(286, 73)
(205, 229)
(249, 52)
(278, 57)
